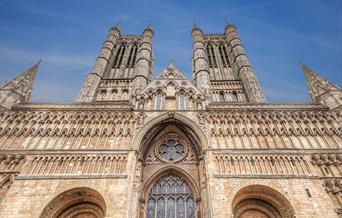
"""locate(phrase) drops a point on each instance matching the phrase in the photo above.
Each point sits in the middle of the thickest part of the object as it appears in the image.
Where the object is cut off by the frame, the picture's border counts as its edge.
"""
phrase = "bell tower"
(220, 62)
(125, 61)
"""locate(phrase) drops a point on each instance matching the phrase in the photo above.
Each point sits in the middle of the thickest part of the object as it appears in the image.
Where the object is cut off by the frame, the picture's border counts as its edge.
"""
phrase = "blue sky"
(67, 35)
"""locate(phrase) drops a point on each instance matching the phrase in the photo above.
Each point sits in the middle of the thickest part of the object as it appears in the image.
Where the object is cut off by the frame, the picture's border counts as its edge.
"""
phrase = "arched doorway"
(258, 201)
(79, 202)
(172, 171)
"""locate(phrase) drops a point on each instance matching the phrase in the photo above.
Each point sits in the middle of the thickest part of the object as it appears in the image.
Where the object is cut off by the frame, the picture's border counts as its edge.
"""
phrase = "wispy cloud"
(56, 79)
(57, 60)
(67, 35)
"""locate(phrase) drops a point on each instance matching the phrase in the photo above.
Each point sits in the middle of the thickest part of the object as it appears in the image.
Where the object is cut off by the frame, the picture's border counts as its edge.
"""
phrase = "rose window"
(171, 150)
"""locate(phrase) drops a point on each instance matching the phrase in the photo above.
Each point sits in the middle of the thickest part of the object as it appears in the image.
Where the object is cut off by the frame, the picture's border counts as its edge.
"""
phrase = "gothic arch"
(169, 117)
(261, 200)
(175, 173)
(170, 148)
(76, 203)
(174, 170)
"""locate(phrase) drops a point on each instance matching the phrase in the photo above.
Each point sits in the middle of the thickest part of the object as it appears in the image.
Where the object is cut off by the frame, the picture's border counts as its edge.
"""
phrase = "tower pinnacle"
(321, 90)
(19, 89)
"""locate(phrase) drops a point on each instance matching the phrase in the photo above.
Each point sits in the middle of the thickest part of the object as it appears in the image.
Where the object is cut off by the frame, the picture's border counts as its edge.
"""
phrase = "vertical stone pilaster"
(200, 60)
(245, 71)
(88, 89)
(143, 66)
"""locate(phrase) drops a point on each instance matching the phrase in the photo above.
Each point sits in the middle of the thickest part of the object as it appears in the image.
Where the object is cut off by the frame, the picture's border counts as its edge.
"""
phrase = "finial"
(226, 21)
(194, 24)
(301, 63)
(171, 64)
(149, 25)
(39, 61)
(118, 23)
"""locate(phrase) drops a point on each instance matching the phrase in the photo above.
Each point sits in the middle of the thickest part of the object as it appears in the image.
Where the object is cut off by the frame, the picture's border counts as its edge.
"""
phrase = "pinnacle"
(226, 22)
(171, 64)
(117, 26)
(308, 73)
(194, 24)
(149, 26)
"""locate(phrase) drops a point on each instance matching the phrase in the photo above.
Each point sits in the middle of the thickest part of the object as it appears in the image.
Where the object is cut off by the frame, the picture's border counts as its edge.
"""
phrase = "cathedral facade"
(136, 146)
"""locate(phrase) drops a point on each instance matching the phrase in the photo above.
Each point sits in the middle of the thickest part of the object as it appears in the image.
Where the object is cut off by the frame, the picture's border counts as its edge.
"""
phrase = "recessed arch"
(260, 200)
(174, 170)
(170, 186)
(170, 148)
(75, 203)
(171, 117)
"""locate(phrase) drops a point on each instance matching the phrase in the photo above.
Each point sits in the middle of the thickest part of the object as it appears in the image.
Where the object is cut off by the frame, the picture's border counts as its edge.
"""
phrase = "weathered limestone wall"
(223, 191)
(27, 198)
(35, 174)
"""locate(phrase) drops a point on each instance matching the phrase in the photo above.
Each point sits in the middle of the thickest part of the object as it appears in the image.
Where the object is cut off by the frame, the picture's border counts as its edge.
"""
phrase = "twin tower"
(220, 68)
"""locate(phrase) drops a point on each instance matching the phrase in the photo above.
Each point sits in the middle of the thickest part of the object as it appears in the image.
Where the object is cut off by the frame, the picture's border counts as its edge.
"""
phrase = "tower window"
(128, 64)
(213, 55)
(181, 102)
(222, 56)
(135, 54)
(225, 54)
(122, 55)
(117, 57)
(158, 101)
(209, 57)
(235, 97)
(221, 94)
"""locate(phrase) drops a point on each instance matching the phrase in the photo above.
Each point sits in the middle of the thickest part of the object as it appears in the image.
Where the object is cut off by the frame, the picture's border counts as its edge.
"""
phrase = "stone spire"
(93, 79)
(143, 66)
(19, 89)
(201, 74)
(321, 90)
(241, 63)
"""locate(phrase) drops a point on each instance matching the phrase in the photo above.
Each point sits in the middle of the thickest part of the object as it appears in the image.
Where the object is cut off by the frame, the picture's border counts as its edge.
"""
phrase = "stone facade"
(133, 146)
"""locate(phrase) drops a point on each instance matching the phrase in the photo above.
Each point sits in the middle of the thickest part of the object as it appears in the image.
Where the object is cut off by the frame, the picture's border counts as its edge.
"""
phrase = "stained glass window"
(170, 197)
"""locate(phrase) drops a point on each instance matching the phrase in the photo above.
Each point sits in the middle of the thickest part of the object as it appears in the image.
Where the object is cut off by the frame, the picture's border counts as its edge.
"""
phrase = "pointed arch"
(195, 132)
(173, 170)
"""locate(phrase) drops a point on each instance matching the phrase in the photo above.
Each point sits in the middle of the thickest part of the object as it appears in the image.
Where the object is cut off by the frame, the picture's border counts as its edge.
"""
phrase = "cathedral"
(137, 146)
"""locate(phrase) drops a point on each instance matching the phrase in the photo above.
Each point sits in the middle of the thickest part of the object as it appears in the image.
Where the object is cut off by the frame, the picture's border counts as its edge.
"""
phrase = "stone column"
(143, 67)
(89, 87)
(200, 60)
(244, 69)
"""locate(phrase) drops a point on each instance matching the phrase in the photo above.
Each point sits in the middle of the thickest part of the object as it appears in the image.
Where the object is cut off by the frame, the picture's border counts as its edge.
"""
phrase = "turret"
(243, 67)
(201, 75)
(19, 89)
(143, 66)
(322, 91)
(89, 87)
